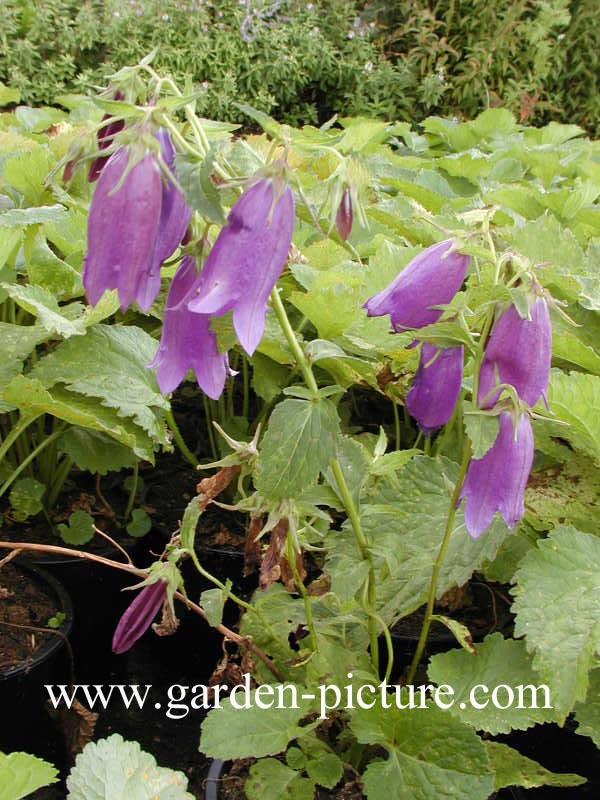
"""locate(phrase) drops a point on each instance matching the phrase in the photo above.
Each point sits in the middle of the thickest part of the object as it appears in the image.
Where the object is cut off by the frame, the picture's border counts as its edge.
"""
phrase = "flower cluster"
(413, 301)
(137, 219)
(517, 355)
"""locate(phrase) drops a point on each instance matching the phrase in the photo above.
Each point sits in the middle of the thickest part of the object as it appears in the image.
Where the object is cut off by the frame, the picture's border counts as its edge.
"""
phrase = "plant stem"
(47, 441)
(363, 547)
(291, 557)
(396, 425)
(14, 434)
(60, 476)
(290, 336)
(185, 451)
(209, 427)
(134, 488)
(438, 564)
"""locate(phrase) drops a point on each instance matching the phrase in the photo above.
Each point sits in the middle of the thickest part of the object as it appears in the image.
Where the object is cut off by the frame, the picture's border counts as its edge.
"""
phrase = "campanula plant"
(296, 281)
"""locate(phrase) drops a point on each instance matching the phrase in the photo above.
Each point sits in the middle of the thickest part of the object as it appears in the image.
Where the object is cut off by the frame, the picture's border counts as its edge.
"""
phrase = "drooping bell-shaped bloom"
(105, 137)
(345, 215)
(137, 219)
(138, 616)
(247, 259)
(436, 386)
(497, 481)
(518, 352)
(187, 341)
(431, 279)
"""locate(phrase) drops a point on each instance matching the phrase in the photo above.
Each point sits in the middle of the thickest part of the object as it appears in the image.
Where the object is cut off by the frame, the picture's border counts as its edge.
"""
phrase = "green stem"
(60, 476)
(134, 488)
(185, 451)
(290, 336)
(363, 547)
(22, 424)
(42, 446)
(291, 557)
(397, 426)
(438, 565)
(209, 428)
(246, 384)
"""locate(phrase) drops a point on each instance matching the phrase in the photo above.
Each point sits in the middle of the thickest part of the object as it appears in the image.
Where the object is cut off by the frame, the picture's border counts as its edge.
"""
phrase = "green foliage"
(513, 769)
(21, 774)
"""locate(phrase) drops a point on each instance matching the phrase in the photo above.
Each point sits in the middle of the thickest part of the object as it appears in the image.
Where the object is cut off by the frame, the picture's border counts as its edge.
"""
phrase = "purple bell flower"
(138, 616)
(518, 352)
(246, 260)
(497, 481)
(345, 215)
(431, 279)
(187, 341)
(435, 389)
(134, 223)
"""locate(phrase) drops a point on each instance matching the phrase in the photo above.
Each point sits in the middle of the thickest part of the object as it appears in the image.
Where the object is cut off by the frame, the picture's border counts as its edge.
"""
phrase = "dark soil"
(25, 609)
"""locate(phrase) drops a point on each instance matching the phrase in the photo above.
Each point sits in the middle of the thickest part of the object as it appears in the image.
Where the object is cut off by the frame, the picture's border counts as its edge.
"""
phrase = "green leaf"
(299, 443)
(26, 498)
(499, 662)
(94, 451)
(574, 398)
(404, 518)
(45, 269)
(561, 575)
(21, 774)
(8, 95)
(565, 494)
(268, 377)
(80, 529)
(430, 754)
(30, 396)
(140, 523)
(482, 430)
(253, 732)
(188, 524)
(213, 602)
(42, 304)
(195, 179)
(32, 216)
(110, 363)
(37, 120)
(513, 769)
(588, 714)
(27, 173)
(121, 770)
(269, 779)
(460, 632)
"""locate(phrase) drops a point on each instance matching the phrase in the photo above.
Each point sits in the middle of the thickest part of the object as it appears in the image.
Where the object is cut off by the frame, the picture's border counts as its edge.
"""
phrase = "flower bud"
(497, 481)
(138, 616)
(345, 215)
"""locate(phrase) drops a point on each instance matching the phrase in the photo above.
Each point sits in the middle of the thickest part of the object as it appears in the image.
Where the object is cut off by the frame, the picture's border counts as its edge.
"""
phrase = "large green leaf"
(21, 774)
(404, 517)
(46, 269)
(32, 399)
(557, 603)
(574, 398)
(269, 779)
(94, 451)
(513, 769)
(587, 714)
(120, 770)
(42, 304)
(565, 494)
(299, 443)
(110, 363)
(498, 662)
(229, 732)
(430, 754)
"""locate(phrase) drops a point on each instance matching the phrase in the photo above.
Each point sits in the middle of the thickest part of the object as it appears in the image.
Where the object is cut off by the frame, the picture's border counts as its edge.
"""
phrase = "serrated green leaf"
(42, 304)
(8, 95)
(482, 430)
(31, 398)
(299, 443)
(32, 216)
(26, 498)
(121, 770)
(325, 769)
(80, 529)
(430, 755)
(563, 643)
(513, 769)
(269, 779)
(587, 714)
(213, 602)
(27, 173)
(574, 398)
(45, 269)
(268, 377)
(498, 662)
(139, 524)
(36, 120)
(21, 774)
(252, 732)
(94, 451)
(110, 363)
(565, 494)
(195, 179)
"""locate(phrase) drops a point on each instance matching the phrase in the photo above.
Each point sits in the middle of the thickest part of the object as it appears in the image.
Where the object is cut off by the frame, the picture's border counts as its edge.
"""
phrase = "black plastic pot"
(22, 686)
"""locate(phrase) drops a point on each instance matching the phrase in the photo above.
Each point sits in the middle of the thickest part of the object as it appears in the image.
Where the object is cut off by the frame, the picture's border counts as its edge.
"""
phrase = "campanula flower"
(138, 616)
(518, 352)
(187, 341)
(435, 389)
(137, 219)
(246, 260)
(429, 280)
(105, 137)
(497, 481)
